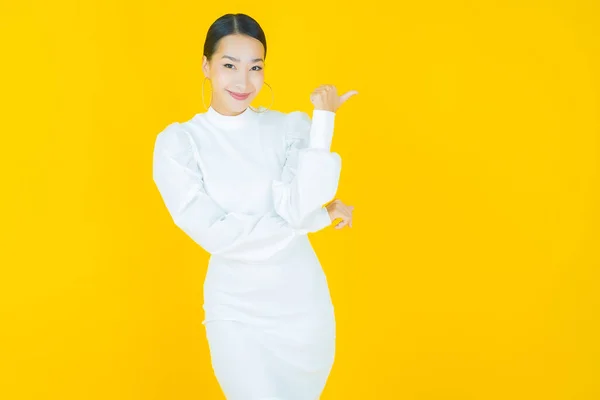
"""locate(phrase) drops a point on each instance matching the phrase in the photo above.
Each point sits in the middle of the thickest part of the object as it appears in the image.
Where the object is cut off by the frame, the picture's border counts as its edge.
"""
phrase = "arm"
(311, 171)
(238, 236)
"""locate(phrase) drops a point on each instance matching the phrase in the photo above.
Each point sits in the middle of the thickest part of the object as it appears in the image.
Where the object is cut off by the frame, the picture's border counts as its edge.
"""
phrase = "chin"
(234, 105)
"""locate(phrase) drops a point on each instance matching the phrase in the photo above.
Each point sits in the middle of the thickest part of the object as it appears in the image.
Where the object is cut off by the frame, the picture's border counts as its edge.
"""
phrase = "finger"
(316, 93)
(341, 224)
(347, 95)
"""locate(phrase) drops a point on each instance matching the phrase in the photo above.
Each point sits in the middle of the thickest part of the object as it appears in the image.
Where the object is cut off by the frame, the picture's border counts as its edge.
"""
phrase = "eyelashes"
(256, 66)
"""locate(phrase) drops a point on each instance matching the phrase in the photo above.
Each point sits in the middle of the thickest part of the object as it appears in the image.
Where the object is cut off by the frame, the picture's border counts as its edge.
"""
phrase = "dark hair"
(232, 24)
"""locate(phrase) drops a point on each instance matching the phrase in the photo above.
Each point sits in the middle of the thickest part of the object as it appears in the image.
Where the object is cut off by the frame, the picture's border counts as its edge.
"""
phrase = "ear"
(205, 66)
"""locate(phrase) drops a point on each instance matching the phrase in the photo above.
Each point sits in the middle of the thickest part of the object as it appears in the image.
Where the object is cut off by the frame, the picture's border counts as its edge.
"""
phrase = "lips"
(239, 96)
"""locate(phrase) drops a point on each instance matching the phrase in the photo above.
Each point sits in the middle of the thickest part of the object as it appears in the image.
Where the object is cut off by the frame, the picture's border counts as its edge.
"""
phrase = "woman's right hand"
(338, 210)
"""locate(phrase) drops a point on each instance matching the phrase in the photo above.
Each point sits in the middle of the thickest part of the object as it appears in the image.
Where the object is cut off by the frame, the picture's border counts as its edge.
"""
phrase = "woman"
(248, 186)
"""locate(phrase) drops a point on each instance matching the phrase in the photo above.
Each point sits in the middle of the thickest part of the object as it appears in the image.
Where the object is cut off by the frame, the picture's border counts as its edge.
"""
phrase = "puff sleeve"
(243, 237)
(311, 172)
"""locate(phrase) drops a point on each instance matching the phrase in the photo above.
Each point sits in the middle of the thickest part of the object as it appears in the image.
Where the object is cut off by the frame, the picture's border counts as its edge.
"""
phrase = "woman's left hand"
(325, 97)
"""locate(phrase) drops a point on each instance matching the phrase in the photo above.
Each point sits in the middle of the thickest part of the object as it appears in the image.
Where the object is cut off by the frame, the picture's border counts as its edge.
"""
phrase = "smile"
(239, 96)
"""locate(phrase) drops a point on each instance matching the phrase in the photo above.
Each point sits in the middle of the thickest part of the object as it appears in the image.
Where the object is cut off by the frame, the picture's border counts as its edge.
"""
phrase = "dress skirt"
(270, 326)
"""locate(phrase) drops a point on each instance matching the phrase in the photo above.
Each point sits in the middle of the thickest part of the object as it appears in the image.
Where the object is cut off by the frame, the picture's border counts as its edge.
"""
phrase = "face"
(236, 72)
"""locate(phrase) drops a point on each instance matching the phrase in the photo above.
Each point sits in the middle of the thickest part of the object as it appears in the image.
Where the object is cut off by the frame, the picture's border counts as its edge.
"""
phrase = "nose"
(242, 82)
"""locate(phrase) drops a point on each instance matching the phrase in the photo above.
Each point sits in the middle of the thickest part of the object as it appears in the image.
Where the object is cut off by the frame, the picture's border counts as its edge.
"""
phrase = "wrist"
(321, 131)
(321, 219)
(324, 109)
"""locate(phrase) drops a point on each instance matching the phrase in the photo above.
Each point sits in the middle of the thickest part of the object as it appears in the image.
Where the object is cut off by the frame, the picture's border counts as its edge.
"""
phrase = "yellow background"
(471, 155)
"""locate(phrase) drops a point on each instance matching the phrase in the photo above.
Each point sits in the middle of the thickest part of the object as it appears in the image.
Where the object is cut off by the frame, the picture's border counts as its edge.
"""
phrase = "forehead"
(243, 47)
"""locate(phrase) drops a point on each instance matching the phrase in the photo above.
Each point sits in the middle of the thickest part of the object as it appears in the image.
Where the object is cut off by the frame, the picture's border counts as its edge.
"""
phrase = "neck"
(230, 120)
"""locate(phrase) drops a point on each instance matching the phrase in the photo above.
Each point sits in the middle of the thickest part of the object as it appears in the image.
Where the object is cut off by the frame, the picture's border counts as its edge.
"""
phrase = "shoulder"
(173, 138)
(292, 124)
(169, 135)
(287, 118)
(297, 127)
(297, 119)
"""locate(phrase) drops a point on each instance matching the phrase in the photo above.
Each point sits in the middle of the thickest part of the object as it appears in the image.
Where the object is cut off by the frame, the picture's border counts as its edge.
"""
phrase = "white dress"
(248, 189)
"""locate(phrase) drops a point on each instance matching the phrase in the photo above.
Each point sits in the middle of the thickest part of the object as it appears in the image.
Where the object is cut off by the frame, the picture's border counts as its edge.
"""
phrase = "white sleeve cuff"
(323, 219)
(321, 129)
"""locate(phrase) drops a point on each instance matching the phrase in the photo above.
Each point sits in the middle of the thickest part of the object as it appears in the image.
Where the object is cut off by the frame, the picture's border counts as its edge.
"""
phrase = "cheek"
(220, 80)
(258, 80)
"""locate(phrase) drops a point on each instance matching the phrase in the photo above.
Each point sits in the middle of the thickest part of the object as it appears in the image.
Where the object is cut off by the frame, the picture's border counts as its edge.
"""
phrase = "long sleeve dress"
(248, 189)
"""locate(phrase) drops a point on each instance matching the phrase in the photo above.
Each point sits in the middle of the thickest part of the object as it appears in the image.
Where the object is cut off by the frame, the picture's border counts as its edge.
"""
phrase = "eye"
(257, 66)
(226, 65)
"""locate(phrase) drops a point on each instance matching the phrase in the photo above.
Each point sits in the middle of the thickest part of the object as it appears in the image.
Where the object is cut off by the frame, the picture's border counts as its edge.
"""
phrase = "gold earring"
(203, 103)
(272, 100)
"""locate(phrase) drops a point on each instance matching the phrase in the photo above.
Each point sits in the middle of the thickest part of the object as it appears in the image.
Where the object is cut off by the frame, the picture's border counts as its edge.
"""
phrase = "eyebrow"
(238, 60)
